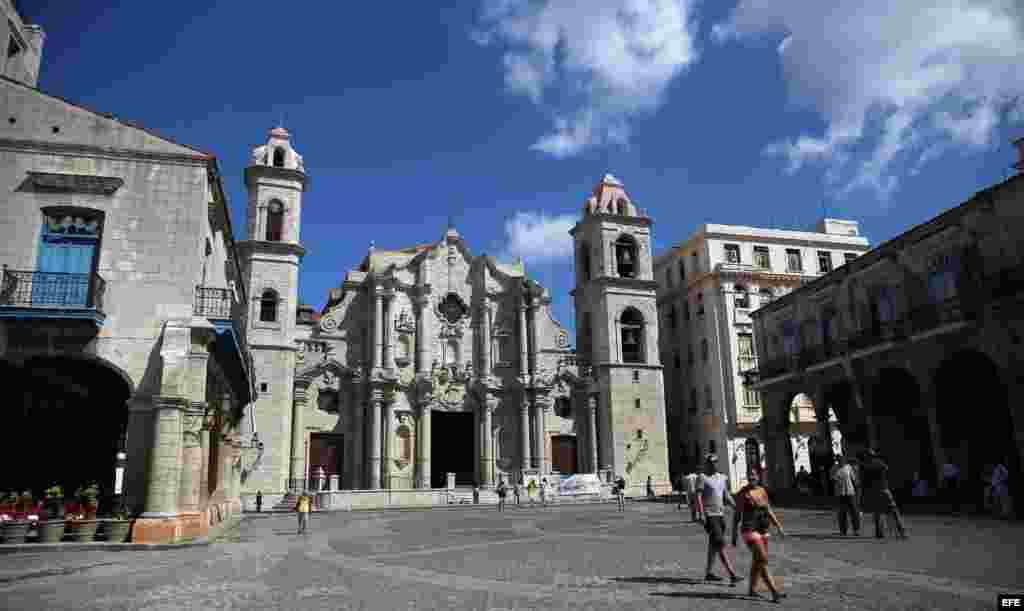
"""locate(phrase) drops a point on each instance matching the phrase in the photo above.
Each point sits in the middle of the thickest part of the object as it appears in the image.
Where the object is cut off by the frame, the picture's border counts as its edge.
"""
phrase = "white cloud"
(892, 80)
(538, 237)
(593, 65)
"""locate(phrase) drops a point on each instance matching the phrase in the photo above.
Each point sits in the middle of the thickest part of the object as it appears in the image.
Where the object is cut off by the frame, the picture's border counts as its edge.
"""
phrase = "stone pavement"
(569, 557)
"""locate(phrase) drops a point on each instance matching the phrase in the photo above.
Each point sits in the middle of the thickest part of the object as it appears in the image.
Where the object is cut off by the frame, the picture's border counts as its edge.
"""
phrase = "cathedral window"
(275, 221)
(563, 407)
(585, 262)
(632, 323)
(625, 256)
(279, 157)
(268, 306)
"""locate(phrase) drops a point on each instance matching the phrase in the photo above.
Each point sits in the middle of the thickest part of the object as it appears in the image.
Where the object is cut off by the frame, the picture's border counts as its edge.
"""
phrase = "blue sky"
(504, 113)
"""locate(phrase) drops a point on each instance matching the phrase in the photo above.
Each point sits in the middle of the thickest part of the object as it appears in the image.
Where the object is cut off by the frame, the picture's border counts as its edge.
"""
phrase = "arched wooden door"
(563, 454)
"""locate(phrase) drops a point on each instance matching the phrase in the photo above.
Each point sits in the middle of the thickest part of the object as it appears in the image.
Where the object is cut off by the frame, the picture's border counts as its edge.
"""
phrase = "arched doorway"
(802, 425)
(901, 428)
(975, 423)
(563, 454)
(68, 420)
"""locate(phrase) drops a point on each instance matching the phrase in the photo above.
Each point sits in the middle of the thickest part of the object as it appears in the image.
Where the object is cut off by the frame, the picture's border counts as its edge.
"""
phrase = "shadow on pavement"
(679, 581)
(823, 536)
(709, 595)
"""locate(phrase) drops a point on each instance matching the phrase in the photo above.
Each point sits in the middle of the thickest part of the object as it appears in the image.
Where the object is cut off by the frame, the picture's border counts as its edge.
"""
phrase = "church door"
(563, 454)
(325, 450)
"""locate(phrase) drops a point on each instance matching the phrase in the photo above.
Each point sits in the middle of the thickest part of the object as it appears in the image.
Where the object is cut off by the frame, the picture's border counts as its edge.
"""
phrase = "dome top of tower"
(610, 197)
(277, 152)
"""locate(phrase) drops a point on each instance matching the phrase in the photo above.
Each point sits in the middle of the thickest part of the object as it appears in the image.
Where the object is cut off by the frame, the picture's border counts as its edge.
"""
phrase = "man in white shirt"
(713, 495)
(690, 488)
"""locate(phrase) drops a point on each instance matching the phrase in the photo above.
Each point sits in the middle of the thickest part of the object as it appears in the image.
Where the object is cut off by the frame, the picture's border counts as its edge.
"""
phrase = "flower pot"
(116, 531)
(83, 531)
(14, 531)
(51, 531)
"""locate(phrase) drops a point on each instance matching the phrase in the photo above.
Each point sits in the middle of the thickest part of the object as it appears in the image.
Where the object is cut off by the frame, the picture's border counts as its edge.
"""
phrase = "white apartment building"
(707, 287)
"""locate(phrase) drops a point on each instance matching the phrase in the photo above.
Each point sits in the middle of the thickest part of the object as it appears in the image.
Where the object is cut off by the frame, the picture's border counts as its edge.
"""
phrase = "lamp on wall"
(254, 444)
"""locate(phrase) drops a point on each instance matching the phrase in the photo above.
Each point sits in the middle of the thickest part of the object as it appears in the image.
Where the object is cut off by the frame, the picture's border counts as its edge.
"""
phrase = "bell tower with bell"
(276, 180)
(617, 336)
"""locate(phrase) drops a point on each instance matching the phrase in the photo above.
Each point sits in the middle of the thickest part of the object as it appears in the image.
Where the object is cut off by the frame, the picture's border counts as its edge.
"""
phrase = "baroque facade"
(707, 288)
(915, 346)
(432, 362)
(119, 310)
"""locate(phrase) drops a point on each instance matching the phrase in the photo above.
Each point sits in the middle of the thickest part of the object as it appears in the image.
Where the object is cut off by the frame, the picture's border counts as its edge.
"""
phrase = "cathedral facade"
(431, 363)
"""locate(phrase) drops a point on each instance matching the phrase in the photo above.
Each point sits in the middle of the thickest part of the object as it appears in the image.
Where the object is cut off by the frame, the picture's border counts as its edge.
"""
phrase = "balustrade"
(34, 289)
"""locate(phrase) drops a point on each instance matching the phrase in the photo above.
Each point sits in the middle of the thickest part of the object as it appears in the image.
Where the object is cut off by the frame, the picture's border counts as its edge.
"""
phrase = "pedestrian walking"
(877, 495)
(515, 491)
(650, 488)
(476, 494)
(713, 495)
(690, 485)
(259, 501)
(680, 487)
(530, 489)
(502, 491)
(620, 492)
(303, 507)
(951, 486)
(544, 492)
(845, 484)
(754, 517)
(1000, 490)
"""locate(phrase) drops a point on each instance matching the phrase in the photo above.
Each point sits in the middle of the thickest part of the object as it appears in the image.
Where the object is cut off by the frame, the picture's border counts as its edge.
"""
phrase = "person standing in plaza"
(877, 495)
(544, 492)
(1000, 490)
(502, 490)
(259, 501)
(754, 517)
(845, 484)
(713, 495)
(690, 486)
(620, 492)
(303, 507)
(530, 489)
(650, 487)
(951, 485)
(515, 491)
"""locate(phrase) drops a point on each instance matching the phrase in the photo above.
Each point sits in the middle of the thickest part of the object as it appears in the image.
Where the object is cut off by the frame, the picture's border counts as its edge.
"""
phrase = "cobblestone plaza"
(568, 557)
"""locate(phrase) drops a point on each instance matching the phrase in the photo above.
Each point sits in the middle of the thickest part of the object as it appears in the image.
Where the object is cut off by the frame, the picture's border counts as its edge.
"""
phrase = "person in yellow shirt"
(303, 507)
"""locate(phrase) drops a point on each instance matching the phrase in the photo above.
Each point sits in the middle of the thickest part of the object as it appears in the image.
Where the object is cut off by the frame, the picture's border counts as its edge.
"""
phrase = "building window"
(278, 157)
(585, 261)
(625, 256)
(682, 272)
(849, 256)
(732, 253)
(700, 304)
(704, 350)
(668, 277)
(766, 296)
(742, 297)
(794, 263)
(942, 277)
(268, 306)
(824, 261)
(636, 404)
(709, 400)
(761, 257)
(745, 350)
(275, 221)
(632, 324)
(263, 386)
(677, 361)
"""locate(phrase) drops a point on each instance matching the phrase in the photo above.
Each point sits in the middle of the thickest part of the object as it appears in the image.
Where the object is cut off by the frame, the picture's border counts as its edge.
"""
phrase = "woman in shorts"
(753, 517)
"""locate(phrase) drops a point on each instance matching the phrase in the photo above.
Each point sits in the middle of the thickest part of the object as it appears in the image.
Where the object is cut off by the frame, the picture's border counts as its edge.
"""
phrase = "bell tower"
(617, 334)
(276, 181)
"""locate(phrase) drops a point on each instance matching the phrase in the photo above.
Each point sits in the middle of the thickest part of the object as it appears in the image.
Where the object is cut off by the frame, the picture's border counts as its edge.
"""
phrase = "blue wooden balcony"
(231, 348)
(29, 294)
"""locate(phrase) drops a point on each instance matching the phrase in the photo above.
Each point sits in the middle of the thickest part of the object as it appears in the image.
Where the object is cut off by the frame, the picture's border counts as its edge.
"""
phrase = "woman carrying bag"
(754, 517)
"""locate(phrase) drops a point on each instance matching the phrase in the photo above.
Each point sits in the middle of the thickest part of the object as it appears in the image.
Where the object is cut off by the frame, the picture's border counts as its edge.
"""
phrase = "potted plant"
(84, 524)
(15, 529)
(52, 530)
(7, 501)
(117, 527)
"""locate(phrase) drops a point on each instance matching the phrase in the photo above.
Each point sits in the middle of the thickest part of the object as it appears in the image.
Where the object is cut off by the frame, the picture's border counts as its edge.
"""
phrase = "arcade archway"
(901, 429)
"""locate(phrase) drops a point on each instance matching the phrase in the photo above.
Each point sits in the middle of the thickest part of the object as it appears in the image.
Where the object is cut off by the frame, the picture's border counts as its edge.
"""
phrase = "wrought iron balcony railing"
(51, 290)
(213, 302)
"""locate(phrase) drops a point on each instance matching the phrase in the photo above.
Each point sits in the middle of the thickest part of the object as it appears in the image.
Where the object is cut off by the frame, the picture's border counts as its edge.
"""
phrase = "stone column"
(539, 455)
(532, 356)
(378, 331)
(524, 363)
(524, 431)
(358, 428)
(592, 433)
(605, 433)
(204, 472)
(423, 447)
(164, 478)
(297, 471)
(422, 303)
(191, 481)
(386, 445)
(389, 331)
(488, 441)
(478, 444)
(376, 405)
(485, 341)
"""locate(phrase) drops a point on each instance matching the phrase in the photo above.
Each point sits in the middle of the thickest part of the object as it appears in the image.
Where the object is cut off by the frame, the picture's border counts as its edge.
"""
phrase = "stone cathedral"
(431, 360)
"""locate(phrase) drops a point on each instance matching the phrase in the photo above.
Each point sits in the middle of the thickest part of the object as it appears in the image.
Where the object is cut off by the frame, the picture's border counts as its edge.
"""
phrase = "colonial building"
(915, 346)
(431, 361)
(707, 288)
(119, 304)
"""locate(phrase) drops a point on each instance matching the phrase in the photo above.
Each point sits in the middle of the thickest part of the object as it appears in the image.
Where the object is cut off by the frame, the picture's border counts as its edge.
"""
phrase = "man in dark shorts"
(712, 497)
(877, 496)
